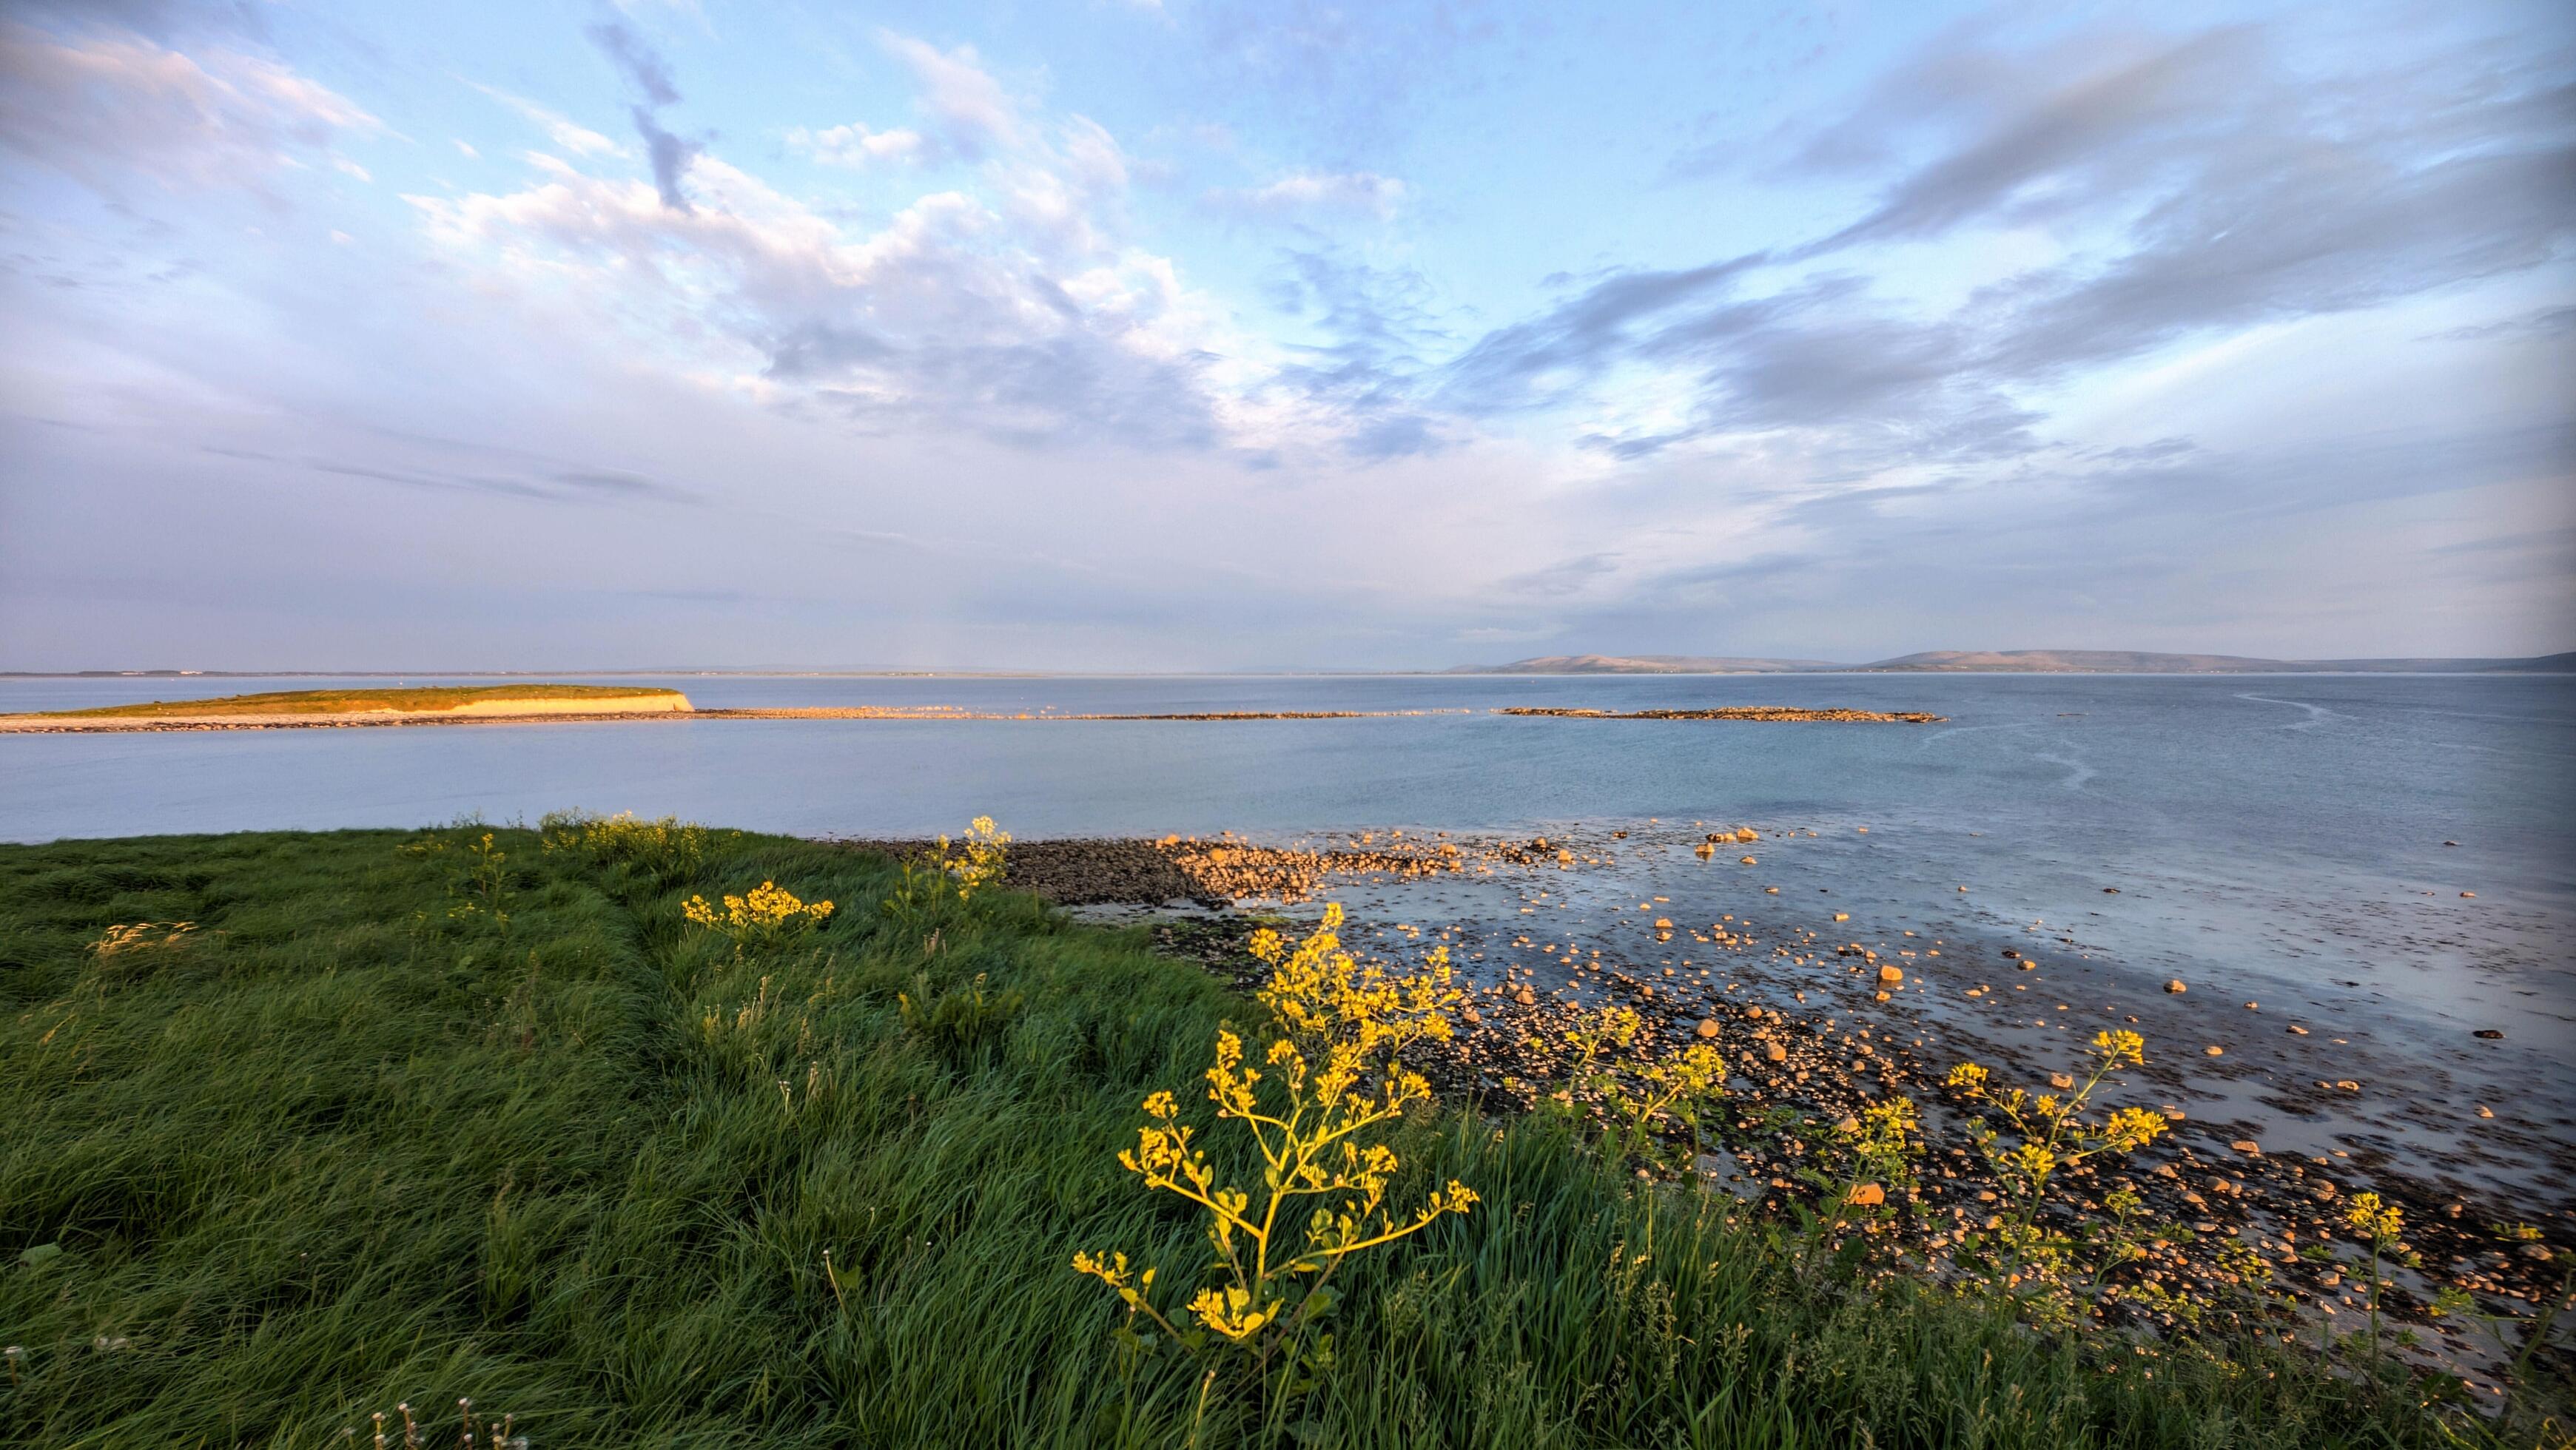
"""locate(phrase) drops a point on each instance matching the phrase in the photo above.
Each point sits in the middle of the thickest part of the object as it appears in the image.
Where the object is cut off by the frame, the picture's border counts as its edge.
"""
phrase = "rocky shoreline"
(1815, 1030)
(1734, 712)
(173, 724)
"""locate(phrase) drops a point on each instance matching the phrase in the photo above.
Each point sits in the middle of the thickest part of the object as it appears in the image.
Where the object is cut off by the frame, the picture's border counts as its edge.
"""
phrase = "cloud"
(857, 145)
(431, 465)
(99, 104)
(2541, 323)
(950, 314)
(1358, 192)
(1377, 329)
(644, 69)
(967, 107)
(2192, 186)
(566, 134)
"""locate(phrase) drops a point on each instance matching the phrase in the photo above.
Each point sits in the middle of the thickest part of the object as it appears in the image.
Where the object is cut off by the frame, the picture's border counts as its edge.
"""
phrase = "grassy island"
(421, 700)
(306, 1126)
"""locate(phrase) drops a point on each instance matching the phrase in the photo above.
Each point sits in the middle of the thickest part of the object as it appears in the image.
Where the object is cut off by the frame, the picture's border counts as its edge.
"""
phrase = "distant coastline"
(2019, 662)
(2099, 662)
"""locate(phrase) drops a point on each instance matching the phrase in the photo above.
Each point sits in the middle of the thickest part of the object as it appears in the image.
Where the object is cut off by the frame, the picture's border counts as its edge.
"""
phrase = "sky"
(1107, 335)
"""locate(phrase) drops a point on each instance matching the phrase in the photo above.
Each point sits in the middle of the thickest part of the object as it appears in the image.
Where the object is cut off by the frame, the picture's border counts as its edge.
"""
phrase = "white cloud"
(970, 109)
(103, 103)
(1013, 304)
(857, 145)
(1361, 192)
(560, 129)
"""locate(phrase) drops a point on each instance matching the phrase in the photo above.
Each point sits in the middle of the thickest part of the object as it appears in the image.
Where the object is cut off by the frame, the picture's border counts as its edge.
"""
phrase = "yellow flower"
(1968, 1078)
(2121, 1047)
(2379, 1219)
(2134, 1128)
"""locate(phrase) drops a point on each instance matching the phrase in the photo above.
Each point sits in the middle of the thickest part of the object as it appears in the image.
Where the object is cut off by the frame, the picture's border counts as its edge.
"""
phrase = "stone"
(2467, 894)
(1776, 1053)
(1526, 997)
(1707, 1027)
(2061, 1081)
(2176, 987)
(2213, 1051)
(2247, 1145)
(2491, 1034)
(1891, 975)
(1868, 1195)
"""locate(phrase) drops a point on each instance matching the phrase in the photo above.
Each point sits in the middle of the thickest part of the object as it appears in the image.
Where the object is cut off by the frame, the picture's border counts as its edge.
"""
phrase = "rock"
(2061, 1081)
(1707, 1027)
(2491, 1034)
(2110, 890)
(1749, 861)
(1526, 997)
(1776, 1053)
(2485, 1112)
(2247, 1145)
(1891, 975)
(2176, 987)
(1472, 1016)
(2468, 893)
(2213, 1051)
(1663, 923)
(1868, 1195)
(2297, 1031)
(1842, 916)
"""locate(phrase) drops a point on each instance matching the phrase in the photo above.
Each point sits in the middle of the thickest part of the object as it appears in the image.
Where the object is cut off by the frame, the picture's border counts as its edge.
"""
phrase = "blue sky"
(1167, 336)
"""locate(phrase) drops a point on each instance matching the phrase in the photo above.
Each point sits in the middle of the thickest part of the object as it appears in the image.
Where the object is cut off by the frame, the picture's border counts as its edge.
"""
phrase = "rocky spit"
(1815, 1028)
(129, 725)
(1735, 712)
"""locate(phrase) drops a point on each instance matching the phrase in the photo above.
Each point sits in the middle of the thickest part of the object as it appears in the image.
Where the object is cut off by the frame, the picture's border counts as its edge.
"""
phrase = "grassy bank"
(424, 699)
(394, 1120)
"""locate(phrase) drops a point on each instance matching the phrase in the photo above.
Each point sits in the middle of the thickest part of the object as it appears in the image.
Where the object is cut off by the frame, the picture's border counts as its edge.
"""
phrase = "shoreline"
(182, 724)
(1814, 1031)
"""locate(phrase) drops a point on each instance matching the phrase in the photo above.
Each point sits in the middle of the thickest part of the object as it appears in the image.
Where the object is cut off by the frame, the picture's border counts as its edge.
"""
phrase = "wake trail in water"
(2079, 772)
(1968, 730)
(2317, 714)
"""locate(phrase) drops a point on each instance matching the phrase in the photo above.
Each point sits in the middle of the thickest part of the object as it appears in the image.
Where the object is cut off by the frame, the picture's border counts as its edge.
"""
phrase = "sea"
(2385, 862)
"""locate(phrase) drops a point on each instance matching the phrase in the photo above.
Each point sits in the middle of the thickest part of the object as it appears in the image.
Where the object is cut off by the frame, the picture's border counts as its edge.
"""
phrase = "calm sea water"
(2277, 839)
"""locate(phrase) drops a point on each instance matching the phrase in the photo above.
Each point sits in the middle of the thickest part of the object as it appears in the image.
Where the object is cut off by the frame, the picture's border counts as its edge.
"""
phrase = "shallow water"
(2276, 839)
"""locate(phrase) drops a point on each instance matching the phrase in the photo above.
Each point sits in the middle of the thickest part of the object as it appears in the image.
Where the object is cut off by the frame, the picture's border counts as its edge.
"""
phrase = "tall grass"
(342, 1146)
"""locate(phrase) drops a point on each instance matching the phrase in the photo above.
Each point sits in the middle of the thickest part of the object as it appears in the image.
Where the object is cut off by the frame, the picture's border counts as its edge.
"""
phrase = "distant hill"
(1647, 665)
(2018, 661)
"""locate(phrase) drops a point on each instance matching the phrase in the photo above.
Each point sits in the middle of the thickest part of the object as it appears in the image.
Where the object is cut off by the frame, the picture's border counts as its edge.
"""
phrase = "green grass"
(342, 1146)
(344, 702)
